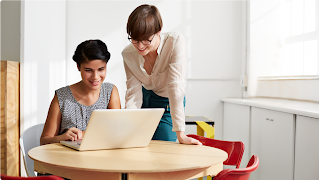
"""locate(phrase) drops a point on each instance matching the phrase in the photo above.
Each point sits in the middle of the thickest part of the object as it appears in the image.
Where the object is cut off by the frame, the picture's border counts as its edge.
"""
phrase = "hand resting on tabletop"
(183, 139)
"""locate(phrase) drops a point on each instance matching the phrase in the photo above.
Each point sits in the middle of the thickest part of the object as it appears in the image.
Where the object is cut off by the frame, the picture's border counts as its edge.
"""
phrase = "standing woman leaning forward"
(155, 66)
(71, 107)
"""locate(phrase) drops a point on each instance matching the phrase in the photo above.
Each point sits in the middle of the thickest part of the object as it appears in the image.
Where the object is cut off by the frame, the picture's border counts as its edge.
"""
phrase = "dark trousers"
(164, 129)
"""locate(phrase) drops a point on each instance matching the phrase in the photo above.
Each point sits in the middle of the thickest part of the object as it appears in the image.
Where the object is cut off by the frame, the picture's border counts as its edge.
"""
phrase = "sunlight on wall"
(167, 9)
(115, 67)
(283, 42)
(42, 58)
(56, 76)
(180, 22)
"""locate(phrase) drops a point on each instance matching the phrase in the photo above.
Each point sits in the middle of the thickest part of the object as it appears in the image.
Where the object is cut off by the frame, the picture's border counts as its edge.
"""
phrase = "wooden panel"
(12, 118)
(10, 90)
(2, 118)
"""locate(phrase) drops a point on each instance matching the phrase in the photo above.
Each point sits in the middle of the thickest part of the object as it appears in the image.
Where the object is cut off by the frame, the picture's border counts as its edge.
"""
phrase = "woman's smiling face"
(143, 49)
(93, 73)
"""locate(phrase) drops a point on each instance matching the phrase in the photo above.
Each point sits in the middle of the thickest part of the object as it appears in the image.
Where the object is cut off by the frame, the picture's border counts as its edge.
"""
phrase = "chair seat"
(52, 177)
(242, 174)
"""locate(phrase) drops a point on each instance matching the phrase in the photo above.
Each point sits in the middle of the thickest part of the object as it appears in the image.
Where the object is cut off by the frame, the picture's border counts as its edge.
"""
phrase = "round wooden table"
(160, 160)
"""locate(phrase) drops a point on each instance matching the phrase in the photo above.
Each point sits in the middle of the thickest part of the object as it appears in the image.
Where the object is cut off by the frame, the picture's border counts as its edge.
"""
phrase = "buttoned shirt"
(168, 77)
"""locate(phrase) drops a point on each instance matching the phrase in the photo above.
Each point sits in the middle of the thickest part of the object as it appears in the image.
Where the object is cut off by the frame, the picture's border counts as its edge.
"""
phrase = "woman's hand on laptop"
(73, 134)
(183, 139)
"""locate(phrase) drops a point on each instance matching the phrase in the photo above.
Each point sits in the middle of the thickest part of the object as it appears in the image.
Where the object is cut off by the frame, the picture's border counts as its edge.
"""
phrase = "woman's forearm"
(48, 140)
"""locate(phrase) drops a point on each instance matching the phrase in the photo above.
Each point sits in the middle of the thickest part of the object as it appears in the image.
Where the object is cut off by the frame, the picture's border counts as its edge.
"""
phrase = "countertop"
(303, 108)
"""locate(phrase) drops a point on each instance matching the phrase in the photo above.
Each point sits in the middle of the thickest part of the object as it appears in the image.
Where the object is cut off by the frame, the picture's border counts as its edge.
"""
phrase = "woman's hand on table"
(183, 139)
(72, 134)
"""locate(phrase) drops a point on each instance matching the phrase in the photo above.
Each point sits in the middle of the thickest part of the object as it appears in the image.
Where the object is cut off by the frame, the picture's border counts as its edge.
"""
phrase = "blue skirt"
(164, 129)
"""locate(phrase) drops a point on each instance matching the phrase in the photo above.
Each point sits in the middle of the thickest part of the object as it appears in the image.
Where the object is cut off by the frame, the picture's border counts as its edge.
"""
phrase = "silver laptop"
(118, 128)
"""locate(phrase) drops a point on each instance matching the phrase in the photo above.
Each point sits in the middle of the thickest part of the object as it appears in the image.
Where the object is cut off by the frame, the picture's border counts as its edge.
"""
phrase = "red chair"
(51, 177)
(239, 174)
(234, 149)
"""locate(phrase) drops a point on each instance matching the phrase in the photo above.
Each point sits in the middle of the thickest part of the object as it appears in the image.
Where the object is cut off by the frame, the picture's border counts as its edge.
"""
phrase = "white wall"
(42, 58)
(215, 33)
(217, 54)
(10, 31)
(265, 48)
(51, 30)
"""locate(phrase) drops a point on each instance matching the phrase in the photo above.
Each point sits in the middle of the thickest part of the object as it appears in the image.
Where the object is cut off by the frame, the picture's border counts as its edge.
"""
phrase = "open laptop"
(118, 128)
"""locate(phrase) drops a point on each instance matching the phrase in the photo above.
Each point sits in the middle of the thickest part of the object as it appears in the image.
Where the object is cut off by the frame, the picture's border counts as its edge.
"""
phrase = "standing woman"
(155, 66)
(71, 107)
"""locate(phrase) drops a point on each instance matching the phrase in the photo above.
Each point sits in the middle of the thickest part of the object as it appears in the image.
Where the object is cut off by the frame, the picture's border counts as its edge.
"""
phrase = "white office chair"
(29, 139)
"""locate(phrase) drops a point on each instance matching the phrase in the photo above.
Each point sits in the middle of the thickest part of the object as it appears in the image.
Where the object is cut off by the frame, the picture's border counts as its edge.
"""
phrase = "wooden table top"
(159, 156)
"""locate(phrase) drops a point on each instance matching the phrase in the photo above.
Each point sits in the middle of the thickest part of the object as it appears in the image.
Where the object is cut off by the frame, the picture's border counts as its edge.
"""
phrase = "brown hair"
(143, 22)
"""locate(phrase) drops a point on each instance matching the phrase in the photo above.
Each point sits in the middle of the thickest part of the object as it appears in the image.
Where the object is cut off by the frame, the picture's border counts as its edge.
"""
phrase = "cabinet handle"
(267, 119)
(271, 120)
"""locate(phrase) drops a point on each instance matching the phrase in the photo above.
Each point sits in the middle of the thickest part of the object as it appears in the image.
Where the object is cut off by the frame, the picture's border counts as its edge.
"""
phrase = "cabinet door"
(236, 127)
(307, 148)
(272, 140)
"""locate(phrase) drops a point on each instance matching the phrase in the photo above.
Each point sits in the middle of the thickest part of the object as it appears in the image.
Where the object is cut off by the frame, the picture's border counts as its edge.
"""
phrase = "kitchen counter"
(309, 109)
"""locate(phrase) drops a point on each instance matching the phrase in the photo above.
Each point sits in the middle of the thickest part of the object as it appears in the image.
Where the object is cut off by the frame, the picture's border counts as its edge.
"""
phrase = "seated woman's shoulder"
(63, 88)
(108, 85)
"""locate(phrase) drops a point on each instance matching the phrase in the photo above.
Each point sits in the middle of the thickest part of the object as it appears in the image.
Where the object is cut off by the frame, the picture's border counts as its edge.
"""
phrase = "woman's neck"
(153, 53)
(87, 91)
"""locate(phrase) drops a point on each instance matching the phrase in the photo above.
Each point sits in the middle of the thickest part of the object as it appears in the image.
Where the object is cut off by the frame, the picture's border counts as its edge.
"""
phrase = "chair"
(29, 139)
(234, 149)
(236, 174)
(52, 177)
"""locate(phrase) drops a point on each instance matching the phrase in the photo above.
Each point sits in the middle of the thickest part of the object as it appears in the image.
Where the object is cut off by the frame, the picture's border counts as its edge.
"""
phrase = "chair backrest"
(29, 139)
(242, 173)
(52, 177)
(234, 149)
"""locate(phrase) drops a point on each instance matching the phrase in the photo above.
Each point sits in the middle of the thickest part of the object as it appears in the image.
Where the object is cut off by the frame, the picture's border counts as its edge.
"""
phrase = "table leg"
(124, 176)
(200, 131)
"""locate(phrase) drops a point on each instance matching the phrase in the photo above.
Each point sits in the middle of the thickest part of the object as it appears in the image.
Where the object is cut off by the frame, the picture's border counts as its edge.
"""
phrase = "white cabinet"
(307, 148)
(236, 127)
(272, 140)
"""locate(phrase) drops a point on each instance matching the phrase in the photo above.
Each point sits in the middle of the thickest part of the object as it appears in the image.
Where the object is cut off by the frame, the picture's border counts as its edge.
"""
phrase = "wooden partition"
(10, 118)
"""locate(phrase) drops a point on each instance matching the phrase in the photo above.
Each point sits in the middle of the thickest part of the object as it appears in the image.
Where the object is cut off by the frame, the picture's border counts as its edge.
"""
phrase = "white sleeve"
(177, 84)
(133, 95)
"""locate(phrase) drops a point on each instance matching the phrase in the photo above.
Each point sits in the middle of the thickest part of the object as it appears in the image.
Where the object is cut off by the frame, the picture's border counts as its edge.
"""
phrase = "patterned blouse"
(75, 114)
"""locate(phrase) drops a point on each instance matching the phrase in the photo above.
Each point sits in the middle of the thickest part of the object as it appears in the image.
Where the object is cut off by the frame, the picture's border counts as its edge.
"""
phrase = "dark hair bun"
(91, 50)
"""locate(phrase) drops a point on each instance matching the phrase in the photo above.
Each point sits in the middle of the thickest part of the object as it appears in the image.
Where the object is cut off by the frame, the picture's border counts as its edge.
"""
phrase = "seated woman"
(71, 107)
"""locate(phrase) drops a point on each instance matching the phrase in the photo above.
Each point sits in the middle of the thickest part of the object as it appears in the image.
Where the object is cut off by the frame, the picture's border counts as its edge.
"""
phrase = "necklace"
(149, 63)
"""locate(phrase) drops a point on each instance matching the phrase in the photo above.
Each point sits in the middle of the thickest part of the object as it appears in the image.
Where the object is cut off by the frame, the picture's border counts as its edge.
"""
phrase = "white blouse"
(168, 77)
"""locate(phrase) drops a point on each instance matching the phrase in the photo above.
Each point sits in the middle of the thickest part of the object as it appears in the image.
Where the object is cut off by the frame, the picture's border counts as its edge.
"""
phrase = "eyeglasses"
(145, 42)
